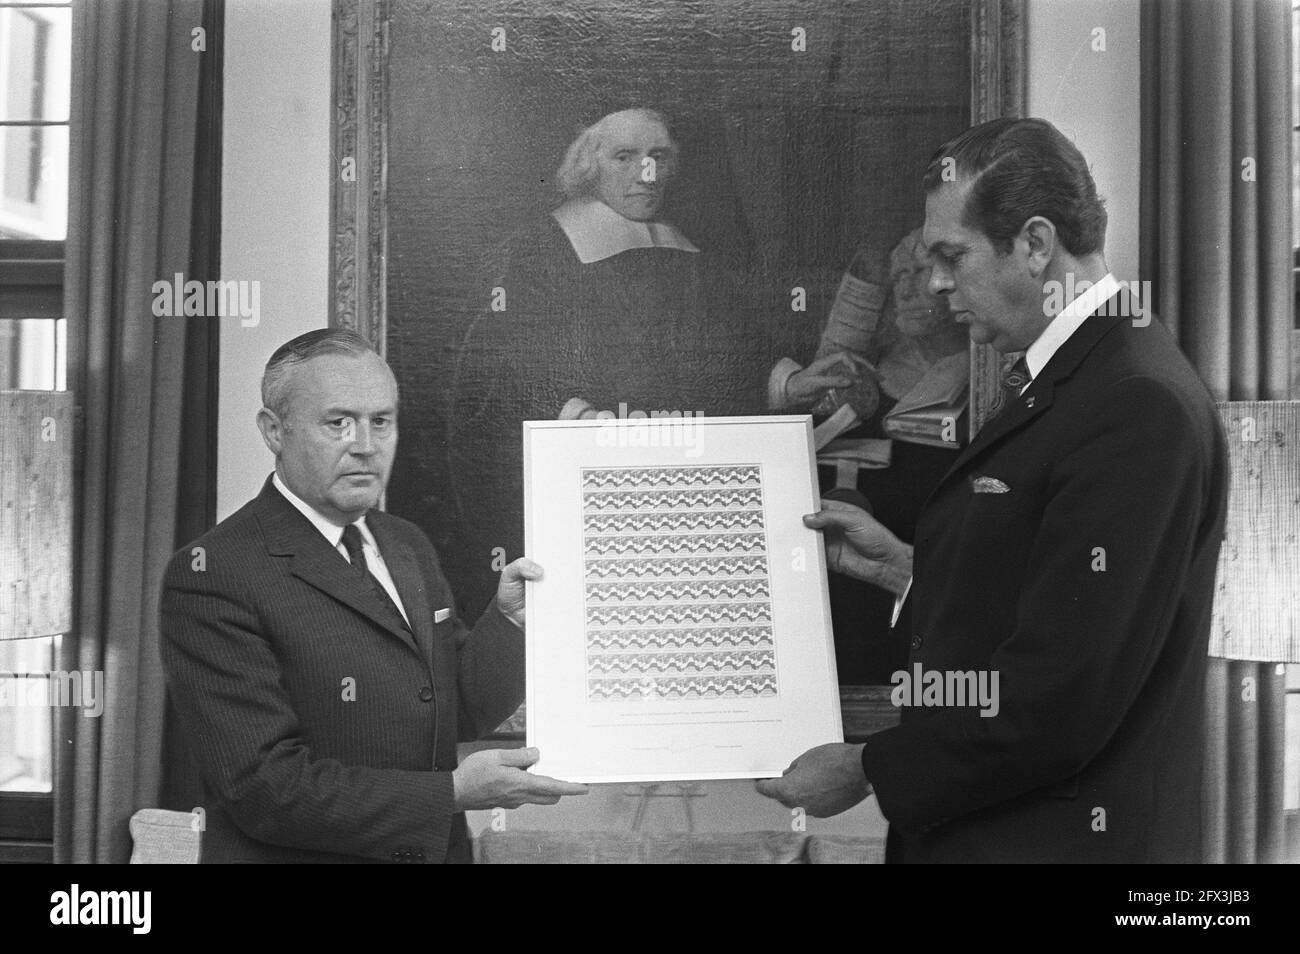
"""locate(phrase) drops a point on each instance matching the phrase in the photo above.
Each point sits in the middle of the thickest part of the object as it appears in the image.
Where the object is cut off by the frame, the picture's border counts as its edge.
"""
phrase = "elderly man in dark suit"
(313, 650)
(1067, 558)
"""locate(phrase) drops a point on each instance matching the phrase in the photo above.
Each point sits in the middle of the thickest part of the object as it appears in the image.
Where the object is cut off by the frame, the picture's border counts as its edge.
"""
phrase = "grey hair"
(578, 170)
(313, 344)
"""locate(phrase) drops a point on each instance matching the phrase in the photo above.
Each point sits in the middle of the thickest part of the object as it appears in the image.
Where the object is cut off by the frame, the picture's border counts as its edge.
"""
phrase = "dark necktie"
(1013, 382)
(356, 553)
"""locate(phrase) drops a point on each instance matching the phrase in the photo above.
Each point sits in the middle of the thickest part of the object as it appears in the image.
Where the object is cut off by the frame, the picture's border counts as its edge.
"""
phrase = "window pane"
(33, 355)
(26, 719)
(33, 182)
(35, 63)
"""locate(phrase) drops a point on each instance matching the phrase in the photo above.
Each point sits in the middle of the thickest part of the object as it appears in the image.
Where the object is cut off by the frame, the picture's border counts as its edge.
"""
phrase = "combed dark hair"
(306, 346)
(1023, 168)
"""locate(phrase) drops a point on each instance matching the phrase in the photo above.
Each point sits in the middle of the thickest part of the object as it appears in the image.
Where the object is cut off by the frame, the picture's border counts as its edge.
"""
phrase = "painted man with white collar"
(1068, 557)
(614, 175)
(647, 303)
(608, 308)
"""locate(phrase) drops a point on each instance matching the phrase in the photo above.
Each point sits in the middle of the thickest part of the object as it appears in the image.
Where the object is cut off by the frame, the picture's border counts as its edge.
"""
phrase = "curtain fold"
(1217, 248)
(196, 500)
(135, 83)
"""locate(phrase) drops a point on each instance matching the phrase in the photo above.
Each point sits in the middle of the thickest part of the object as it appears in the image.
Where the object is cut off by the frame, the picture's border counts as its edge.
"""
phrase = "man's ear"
(272, 428)
(1039, 236)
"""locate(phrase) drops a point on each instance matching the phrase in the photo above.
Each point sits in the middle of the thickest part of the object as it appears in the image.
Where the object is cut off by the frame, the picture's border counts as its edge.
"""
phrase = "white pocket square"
(442, 615)
(989, 485)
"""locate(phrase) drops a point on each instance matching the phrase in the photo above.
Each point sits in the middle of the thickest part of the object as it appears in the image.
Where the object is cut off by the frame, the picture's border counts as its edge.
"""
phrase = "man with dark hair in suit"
(1067, 559)
(313, 651)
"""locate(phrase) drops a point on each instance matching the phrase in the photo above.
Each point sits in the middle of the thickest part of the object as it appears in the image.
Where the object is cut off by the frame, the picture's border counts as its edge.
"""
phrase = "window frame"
(31, 287)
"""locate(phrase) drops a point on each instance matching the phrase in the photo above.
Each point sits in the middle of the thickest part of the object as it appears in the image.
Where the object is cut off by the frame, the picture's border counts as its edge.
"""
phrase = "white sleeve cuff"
(781, 374)
(898, 603)
(854, 316)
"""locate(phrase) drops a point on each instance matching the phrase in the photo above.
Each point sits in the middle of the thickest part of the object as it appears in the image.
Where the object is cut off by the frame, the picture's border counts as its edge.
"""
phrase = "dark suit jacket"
(324, 729)
(1115, 452)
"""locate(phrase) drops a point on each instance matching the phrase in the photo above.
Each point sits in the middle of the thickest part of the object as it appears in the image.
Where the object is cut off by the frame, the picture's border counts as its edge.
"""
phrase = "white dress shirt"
(334, 534)
(1067, 323)
(1057, 333)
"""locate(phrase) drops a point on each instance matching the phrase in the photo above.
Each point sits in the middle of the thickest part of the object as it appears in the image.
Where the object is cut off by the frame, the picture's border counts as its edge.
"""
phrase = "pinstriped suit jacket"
(325, 730)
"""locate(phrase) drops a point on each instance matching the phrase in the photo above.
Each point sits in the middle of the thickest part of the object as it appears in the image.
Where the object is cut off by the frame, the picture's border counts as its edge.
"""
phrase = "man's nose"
(363, 440)
(940, 280)
(648, 172)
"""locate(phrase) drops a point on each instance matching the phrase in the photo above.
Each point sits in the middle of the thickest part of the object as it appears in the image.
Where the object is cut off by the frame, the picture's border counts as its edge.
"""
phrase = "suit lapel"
(405, 571)
(1034, 401)
(1038, 397)
(289, 533)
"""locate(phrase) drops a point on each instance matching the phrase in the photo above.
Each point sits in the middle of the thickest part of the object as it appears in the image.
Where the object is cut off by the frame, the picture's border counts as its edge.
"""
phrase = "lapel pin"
(1029, 401)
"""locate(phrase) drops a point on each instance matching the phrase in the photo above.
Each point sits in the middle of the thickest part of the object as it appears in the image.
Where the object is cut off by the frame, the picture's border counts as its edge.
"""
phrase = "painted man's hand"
(859, 545)
(510, 591)
(824, 781)
(835, 370)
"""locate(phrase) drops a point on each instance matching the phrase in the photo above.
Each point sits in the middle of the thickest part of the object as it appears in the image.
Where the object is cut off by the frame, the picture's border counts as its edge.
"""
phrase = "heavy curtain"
(1217, 249)
(141, 384)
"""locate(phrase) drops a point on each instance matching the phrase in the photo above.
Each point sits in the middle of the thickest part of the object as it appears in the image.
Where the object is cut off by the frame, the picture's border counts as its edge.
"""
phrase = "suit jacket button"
(917, 641)
(426, 694)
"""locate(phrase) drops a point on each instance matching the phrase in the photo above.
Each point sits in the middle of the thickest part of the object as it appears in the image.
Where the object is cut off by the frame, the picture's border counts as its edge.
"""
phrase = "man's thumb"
(519, 758)
(826, 518)
(525, 569)
(769, 787)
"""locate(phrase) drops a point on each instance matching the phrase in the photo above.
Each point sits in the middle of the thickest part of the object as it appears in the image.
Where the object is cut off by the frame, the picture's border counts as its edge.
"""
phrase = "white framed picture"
(682, 629)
